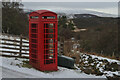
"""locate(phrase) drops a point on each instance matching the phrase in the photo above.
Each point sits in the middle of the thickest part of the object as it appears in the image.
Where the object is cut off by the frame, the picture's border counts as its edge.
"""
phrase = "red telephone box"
(43, 40)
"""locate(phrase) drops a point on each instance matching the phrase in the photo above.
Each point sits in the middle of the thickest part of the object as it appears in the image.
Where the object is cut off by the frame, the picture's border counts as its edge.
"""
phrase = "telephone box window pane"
(49, 51)
(50, 56)
(34, 46)
(33, 35)
(33, 56)
(34, 41)
(34, 25)
(49, 30)
(50, 25)
(49, 46)
(33, 51)
(50, 41)
(49, 35)
(49, 61)
(47, 56)
(34, 31)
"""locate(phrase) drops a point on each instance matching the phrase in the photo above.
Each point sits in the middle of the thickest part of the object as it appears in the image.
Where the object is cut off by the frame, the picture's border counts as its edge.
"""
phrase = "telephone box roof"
(43, 11)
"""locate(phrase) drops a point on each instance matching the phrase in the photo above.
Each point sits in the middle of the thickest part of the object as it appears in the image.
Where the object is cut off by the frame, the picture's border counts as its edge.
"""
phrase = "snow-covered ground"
(13, 68)
(11, 64)
(14, 74)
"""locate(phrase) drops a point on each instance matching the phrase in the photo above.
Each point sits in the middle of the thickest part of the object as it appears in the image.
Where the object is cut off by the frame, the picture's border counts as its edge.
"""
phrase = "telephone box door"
(50, 43)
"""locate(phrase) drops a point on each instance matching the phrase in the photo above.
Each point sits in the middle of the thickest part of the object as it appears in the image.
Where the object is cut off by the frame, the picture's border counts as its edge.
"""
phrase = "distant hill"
(82, 11)
(85, 16)
(89, 20)
(101, 33)
(71, 13)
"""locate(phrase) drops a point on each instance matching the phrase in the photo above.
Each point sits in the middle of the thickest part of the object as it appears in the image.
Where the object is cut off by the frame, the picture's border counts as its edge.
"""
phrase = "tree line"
(14, 20)
(101, 35)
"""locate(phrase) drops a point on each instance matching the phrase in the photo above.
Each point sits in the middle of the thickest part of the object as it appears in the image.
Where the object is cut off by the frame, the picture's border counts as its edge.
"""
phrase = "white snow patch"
(102, 58)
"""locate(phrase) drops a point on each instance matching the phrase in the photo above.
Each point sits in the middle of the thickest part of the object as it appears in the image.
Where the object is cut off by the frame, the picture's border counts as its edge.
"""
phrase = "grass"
(48, 71)
(26, 64)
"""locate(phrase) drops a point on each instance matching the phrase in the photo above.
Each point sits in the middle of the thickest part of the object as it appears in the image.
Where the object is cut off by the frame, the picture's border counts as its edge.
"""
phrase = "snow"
(27, 44)
(9, 50)
(102, 58)
(26, 55)
(9, 46)
(109, 73)
(26, 52)
(12, 38)
(66, 57)
(10, 63)
(10, 42)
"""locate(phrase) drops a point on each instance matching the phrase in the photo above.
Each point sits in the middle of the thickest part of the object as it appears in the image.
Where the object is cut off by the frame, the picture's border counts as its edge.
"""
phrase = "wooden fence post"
(20, 51)
(61, 48)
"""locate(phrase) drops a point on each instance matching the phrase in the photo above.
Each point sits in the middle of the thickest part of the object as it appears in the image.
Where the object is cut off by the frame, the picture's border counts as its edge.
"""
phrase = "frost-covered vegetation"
(91, 64)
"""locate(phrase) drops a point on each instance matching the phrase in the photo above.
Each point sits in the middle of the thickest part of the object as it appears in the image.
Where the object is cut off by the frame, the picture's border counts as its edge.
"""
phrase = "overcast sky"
(105, 7)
